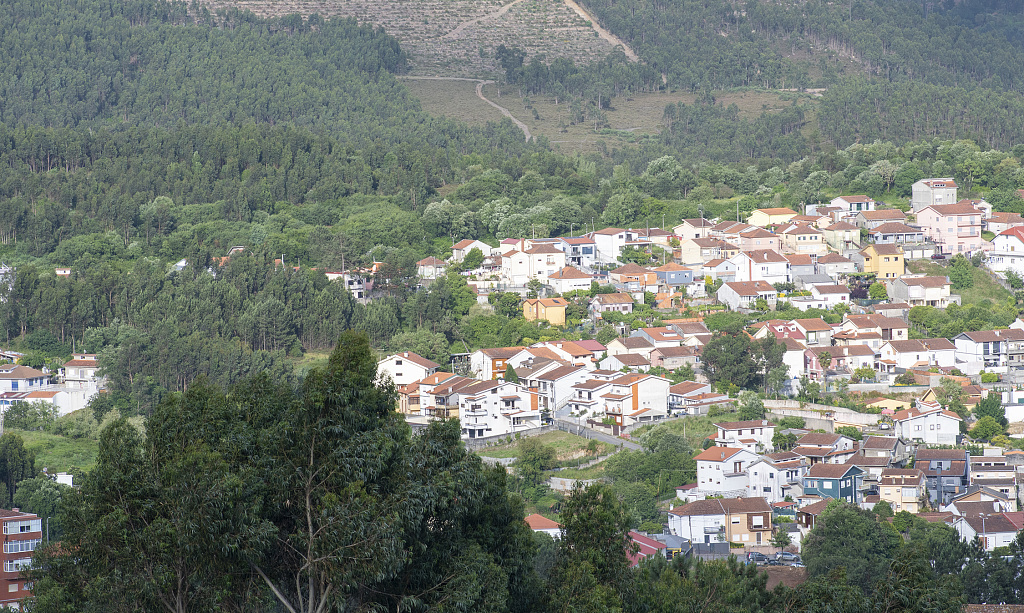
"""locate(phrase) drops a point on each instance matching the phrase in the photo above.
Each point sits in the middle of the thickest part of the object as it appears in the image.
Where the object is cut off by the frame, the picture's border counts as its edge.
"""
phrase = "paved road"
(586, 432)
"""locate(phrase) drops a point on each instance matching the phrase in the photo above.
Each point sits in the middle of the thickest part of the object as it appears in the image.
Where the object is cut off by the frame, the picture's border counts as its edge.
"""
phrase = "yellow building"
(903, 489)
(885, 260)
(551, 309)
(770, 217)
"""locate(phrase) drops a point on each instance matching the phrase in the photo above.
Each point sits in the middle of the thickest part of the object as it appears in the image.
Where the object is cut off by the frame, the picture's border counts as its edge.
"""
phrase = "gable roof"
(879, 442)
(750, 423)
(883, 214)
(922, 344)
(570, 272)
(631, 359)
(749, 288)
(617, 298)
(630, 269)
(717, 454)
(466, 242)
(813, 325)
(776, 211)
(723, 506)
(415, 358)
(953, 209)
(765, 256)
(842, 225)
(894, 227)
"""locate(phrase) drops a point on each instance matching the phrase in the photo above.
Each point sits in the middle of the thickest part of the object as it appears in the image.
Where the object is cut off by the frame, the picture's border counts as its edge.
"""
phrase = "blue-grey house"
(674, 274)
(839, 481)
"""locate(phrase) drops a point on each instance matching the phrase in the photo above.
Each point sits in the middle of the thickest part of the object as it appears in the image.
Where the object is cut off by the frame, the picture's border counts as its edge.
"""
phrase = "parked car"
(773, 563)
(785, 556)
(938, 256)
(757, 557)
(884, 427)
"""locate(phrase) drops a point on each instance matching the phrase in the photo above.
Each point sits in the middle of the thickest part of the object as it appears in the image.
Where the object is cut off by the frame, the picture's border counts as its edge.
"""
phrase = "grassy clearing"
(59, 453)
(985, 287)
(455, 99)
(567, 446)
(694, 429)
(593, 472)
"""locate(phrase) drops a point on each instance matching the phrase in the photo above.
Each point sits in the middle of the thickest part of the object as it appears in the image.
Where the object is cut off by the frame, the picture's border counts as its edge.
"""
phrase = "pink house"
(954, 228)
(757, 239)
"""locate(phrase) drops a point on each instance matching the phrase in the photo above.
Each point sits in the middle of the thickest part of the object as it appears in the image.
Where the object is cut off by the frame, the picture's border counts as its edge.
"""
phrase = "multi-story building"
(922, 291)
(602, 303)
(873, 219)
(802, 238)
(852, 205)
(954, 228)
(928, 423)
(491, 363)
(903, 488)
(733, 520)
(551, 310)
(1007, 251)
(23, 533)
(776, 476)
(839, 481)
(991, 350)
(930, 192)
(722, 471)
(497, 408)
(743, 295)
(752, 435)
(771, 216)
(80, 372)
(947, 470)
(762, 265)
(842, 236)
(15, 378)
(885, 260)
(896, 233)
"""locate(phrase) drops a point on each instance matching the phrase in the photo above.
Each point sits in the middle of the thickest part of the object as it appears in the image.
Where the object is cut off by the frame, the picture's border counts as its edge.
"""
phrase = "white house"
(738, 295)
(990, 350)
(922, 291)
(823, 297)
(80, 372)
(994, 529)
(928, 192)
(406, 367)
(852, 205)
(734, 520)
(14, 378)
(462, 248)
(431, 268)
(539, 523)
(497, 408)
(927, 423)
(774, 477)
(926, 352)
(722, 471)
(608, 243)
(1007, 251)
(752, 435)
(570, 279)
(761, 265)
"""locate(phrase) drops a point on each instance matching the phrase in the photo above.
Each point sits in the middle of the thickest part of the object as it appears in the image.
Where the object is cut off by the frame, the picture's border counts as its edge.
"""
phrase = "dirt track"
(480, 94)
(605, 34)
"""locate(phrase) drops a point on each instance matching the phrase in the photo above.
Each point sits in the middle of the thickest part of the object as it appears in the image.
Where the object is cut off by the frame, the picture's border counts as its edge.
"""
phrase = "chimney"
(406, 354)
(16, 510)
(723, 455)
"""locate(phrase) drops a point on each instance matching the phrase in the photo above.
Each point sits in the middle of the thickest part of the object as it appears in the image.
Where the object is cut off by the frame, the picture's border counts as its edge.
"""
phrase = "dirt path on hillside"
(472, 22)
(480, 94)
(605, 34)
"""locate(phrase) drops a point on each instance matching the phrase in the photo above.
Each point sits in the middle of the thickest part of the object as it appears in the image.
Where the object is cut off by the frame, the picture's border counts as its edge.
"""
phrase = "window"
(917, 428)
(18, 527)
(398, 362)
(20, 546)
(12, 587)
(757, 521)
(13, 566)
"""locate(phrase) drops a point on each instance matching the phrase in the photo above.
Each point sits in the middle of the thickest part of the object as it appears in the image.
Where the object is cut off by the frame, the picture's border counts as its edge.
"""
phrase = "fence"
(565, 485)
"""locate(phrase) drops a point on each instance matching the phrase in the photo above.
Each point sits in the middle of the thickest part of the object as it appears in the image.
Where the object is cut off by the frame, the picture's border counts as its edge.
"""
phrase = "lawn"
(59, 453)
(567, 446)
(985, 287)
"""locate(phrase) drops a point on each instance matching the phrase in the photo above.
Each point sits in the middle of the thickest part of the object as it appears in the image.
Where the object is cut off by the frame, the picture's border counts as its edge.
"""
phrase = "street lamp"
(48, 530)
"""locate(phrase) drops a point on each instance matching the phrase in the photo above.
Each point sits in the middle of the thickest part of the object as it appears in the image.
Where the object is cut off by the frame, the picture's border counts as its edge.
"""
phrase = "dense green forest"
(198, 132)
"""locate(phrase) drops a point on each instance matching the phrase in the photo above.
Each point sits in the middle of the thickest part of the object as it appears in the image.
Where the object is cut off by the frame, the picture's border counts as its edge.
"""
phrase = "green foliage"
(905, 379)
(473, 259)
(865, 373)
(991, 406)
(989, 377)
(791, 422)
(851, 432)
(510, 374)
(960, 275)
(533, 459)
(781, 539)
(986, 428)
(882, 509)
(877, 291)
(850, 537)
(268, 477)
(1014, 279)
(750, 406)
(42, 496)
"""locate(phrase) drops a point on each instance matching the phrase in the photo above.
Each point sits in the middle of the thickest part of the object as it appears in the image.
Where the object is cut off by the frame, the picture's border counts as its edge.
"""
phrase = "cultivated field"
(457, 38)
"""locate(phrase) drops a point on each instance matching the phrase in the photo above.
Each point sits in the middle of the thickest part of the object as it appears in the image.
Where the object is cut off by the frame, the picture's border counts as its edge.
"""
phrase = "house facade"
(738, 295)
(722, 471)
(838, 481)
(927, 423)
(551, 310)
(497, 408)
(930, 192)
(885, 260)
(954, 228)
(724, 520)
(922, 291)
